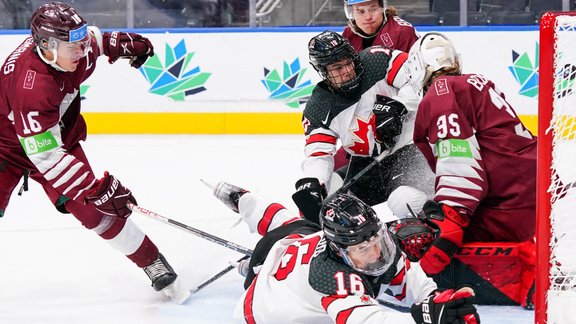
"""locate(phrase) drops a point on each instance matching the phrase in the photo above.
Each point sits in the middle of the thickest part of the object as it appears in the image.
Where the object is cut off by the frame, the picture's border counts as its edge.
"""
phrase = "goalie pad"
(501, 272)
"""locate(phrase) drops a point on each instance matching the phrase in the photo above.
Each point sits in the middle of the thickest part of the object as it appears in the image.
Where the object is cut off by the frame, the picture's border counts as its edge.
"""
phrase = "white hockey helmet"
(432, 52)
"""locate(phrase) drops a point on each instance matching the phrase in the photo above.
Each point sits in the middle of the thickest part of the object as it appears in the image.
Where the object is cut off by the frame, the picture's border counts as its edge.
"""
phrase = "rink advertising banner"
(257, 81)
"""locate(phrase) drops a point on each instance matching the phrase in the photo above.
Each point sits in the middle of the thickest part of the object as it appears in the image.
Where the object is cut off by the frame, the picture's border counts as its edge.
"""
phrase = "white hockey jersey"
(301, 281)
(330, 116)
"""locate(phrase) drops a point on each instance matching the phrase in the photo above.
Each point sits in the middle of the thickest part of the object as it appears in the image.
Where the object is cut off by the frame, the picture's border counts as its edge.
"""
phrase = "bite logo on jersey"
(175, 78)
(288, 86)
(526, 72)
(38, 143)
(454, 148)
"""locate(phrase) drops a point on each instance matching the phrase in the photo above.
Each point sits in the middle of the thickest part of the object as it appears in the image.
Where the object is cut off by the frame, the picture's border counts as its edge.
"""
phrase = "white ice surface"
(52, 270)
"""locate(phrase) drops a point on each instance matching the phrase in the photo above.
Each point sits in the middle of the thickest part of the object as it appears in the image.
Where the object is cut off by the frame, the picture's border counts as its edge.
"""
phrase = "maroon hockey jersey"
(40, 117)
(483, 157)
(396, 33)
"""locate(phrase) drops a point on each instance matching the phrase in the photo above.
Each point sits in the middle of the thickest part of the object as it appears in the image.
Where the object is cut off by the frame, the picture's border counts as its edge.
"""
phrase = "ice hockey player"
(354, 105)
(41, 128)
(484, 159)
(339, 274)
(371, 23)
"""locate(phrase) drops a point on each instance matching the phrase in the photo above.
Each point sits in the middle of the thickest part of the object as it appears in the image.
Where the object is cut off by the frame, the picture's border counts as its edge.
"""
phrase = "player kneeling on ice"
(350, 271)
(41, 128)
(484, 159)
(365, 102)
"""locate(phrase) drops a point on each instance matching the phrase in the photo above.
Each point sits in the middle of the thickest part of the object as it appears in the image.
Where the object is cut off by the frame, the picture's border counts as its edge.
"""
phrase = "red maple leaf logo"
(361, 146)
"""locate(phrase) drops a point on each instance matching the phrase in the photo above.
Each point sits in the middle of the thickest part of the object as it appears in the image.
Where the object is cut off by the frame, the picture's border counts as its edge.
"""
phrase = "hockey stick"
(197, 232)
(358, 175)
(216, 276)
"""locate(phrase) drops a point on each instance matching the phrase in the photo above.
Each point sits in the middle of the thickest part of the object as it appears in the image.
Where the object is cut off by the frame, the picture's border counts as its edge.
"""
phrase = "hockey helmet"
(328, 48)
(432, 52)
(57, 22)
(355, 232)
(348, 9)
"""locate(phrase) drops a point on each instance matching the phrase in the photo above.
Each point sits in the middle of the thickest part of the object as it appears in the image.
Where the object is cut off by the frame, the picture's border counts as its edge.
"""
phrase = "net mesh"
(563, 167)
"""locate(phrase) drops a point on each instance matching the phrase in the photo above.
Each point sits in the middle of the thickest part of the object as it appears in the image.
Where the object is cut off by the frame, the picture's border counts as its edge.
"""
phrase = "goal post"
(555, 294)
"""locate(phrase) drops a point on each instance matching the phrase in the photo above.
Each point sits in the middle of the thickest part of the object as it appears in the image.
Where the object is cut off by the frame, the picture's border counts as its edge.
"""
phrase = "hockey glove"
(413, 236)
(308, 198)
(388, 115)
(450, 224)
(110, 197)
(447, 307)
(127, 45)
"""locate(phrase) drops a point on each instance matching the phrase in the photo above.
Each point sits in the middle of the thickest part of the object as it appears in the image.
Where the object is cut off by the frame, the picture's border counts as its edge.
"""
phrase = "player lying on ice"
(301, 274)
(484, 161)
(41, 129)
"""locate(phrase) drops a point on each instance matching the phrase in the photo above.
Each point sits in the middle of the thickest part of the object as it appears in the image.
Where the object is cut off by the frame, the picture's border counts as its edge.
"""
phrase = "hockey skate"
(164, 280)
(227, 193)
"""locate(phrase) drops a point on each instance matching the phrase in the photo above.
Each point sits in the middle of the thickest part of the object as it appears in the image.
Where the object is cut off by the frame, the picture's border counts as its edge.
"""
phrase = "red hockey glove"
(413, 236)
(129, 45)
(450, 224)
(447, 307)
(110, 197)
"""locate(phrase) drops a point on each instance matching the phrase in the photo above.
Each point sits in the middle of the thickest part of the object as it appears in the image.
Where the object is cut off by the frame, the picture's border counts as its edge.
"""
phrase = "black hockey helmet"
(330, 47)
(346, 220)
(356, 234)
(58, 21)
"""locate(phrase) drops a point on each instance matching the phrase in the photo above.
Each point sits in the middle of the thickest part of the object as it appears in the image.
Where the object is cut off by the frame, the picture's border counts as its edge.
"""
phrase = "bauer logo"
(176, 77)
(454, 148)
(289, 85)
(524, 69)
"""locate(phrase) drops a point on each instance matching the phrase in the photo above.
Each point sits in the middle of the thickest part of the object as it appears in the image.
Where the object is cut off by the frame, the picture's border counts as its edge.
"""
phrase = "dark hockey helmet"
(355, 232)
(346, 220)
(330, 47)
(59, 21)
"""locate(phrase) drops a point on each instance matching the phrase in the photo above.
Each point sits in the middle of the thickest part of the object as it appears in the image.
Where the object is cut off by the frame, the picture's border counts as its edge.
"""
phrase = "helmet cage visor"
(372, 257)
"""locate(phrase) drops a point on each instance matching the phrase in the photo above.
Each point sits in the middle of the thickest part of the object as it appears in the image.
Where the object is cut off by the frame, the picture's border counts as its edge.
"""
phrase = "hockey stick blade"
(190, 229)
(216, 276)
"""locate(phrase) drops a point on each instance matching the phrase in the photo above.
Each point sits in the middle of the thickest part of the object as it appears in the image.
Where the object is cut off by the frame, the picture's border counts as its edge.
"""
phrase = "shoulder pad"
(375, 60)
(324, 266)
(323, 101)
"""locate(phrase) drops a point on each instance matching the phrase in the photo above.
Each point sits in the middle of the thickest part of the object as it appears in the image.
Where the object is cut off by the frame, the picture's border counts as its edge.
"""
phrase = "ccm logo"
(108, 194)
(486, 251)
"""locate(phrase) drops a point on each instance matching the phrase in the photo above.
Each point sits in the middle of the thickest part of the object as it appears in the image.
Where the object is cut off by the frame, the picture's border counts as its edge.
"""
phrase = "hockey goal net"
(555, 297)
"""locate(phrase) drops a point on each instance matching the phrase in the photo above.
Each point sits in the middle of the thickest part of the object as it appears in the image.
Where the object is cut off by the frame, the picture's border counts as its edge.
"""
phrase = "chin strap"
(52, 62)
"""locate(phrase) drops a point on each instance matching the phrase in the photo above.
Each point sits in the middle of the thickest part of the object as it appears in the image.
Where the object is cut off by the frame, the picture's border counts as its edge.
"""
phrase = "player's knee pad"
(405, 196)
(336, 182)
